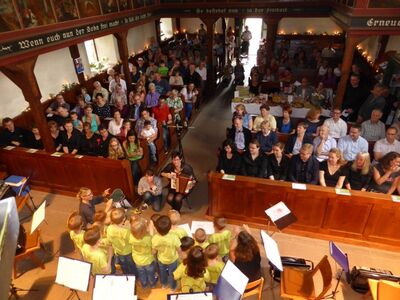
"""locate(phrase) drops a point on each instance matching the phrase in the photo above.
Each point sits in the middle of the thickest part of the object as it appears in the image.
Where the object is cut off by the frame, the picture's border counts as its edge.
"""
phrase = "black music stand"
(280, 215)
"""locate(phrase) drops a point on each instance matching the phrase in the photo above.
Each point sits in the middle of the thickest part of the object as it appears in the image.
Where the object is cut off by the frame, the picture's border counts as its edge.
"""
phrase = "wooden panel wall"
(364, 218)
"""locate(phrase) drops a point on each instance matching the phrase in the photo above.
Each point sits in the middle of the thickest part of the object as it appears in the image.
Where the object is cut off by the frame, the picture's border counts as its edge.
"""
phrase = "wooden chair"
(254, 288)
(384, 289)
(300, 284)
(32, 244)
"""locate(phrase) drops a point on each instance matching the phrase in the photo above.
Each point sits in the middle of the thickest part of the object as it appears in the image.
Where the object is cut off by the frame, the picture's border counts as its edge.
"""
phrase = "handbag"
(293, 262)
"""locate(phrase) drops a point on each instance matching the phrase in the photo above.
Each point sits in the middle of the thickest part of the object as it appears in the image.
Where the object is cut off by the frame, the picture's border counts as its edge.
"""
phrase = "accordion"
(182, 184)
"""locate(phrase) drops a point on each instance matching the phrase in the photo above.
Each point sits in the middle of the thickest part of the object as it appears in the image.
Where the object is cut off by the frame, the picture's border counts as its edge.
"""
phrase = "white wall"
(107, 48)
(370, 45)
(139, 37)
(12, 102)
(393, 43)
(301, 25)
(191, 25)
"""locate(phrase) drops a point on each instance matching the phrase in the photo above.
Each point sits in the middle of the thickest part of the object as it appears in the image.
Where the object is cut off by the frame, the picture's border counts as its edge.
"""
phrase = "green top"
(166, 247)
(77, 238)
(215, 271)
(189, 284)
(118, 237)
(223, 240)
(97, 257)
(203, 244)
(180, 232)
(141, 250)
(131, 149)
(163, 71)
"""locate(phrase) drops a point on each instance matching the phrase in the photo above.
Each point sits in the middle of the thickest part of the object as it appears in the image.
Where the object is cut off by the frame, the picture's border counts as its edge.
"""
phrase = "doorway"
(255, 27)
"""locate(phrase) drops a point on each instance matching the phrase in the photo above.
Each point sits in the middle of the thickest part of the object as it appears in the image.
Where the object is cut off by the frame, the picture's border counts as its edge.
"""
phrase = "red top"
(161, 113)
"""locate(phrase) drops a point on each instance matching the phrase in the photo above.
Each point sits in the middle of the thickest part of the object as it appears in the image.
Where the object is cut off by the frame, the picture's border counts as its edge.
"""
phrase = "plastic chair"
(254, 288)
(31, 246)
(299, 284)
(384, 289)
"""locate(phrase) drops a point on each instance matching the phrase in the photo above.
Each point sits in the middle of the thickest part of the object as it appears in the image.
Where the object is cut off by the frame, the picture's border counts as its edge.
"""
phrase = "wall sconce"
(184, 30)
(309, 32)
(282, 32)
(295, 33)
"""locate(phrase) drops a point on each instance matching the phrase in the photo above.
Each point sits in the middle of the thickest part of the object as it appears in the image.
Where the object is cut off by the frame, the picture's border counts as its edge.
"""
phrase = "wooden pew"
(364, 218)
(66, 174)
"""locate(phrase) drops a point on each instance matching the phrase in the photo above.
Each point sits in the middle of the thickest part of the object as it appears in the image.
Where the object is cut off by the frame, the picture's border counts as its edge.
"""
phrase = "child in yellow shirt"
(214, 264)
(142, 253)
(175, 218)
(193, 273)
(91, 252)
(166, 244)
(118, 237)
(186, 244)
(75, 225)
(222, 237)
(200, 238)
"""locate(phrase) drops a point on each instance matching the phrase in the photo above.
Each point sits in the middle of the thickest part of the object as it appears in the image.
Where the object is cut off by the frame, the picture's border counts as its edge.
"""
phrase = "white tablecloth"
(299, 113)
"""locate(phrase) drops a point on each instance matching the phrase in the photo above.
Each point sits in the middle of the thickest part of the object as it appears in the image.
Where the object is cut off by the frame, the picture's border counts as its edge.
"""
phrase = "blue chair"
(20, 185)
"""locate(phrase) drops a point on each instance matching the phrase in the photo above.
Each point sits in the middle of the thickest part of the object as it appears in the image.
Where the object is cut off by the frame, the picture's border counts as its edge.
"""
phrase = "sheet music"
(229, 177)
(197, 296)
(9, 147)
(235, 277)
(344, 192)
(396, 198)
(57, 154)
(277, 211)
(73, 273)
(271, 250)
(173, 181)
(114, 287)
(38, 216)
(299, 186)
(186, 227)
(15, 184)
(206, 225)
(32, 150)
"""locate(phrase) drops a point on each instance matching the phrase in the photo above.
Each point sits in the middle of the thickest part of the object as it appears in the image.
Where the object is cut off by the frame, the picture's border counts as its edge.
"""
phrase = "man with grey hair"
(152, 96)
(304, 167)
(373, 129)
(323, 143)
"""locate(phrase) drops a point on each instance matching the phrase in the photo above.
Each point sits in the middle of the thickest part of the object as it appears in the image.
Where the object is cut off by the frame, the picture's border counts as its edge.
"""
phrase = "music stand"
(191, 296)
(73, 274)
(342, 260)
(280, 215)
(121, 287)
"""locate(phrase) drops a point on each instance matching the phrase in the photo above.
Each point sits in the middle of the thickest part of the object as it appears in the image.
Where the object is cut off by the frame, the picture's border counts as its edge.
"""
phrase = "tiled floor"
(200, 151)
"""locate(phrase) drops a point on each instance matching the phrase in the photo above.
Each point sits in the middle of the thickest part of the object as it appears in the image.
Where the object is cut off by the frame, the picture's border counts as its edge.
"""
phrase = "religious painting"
(88, 8)
(384, 4)
(125, 4)
(138, 3)
(109, 6)
(8, 16)
(35, 12)
(65, 10)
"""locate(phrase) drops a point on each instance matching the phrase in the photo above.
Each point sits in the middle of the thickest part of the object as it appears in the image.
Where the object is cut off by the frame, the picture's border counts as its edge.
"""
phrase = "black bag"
(359, 278)
(21, 242)
(288, 261)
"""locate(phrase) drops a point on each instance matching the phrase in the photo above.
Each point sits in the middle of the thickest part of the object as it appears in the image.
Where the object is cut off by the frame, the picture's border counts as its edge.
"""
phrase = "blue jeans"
(135, 171)
(127, 264)
(166, 274)
(155, 201)
(147, 275)
(166, 139)
(188, 110)
(153, 152)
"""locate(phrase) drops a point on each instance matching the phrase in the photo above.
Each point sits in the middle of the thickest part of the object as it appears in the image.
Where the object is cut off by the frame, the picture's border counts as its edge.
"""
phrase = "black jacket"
(254, 168)
(246, 132)
(311, 170)
(279, 171)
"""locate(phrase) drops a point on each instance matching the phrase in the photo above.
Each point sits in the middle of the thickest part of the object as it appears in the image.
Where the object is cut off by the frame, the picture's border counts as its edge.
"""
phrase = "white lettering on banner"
(26, 44)
(383, 23)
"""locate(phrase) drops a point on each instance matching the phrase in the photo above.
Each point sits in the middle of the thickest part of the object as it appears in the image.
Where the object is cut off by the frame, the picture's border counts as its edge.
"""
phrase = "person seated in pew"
(176, 79)
(266, 138)
(278, 163)
(162, 115)
(332, 172)
(115, 150)
(12, 135)
(296, 140)
(90, 141)
(173, 170)
(120, 94)
(87, 204)
(135, 106)
(98, 89)
(115, 124)
(55, 134)
(61, 116)
(91, 118)
(359, 173)
(323, 143)
(58, 102)
(79, 108)
(175, 104)
(152, 96)
(34, 139)
(134, 152)
(76, 122)
(162, 85)
(101, 108)
(189, 95)
(352, 143)
(304, 167)
(264, 116)
(337, 126)
(229, 160)
(386, 173)
(71, 138)
(240, 110)
(254, 163)
(285, 124)
(117, 80)
(373, 129)
(305, 90)
(386, 145)
(313, 120)
(126, 127)
(239, 134)
(104, 141)
(120, 106)
(374, 101)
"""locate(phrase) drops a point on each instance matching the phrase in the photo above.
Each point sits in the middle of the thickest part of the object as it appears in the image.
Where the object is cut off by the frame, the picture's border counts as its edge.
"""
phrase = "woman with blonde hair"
(240, 110)
(359, 173)
(115, 150)
(332, 172)
(87, 204)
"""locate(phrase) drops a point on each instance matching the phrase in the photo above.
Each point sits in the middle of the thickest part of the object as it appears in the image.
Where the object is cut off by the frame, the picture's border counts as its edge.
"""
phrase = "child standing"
(142, 253)
(186, 244)
(75, 225)
(166, 244)
(91, 252)
(200, 237)
(175, 218)
(222, 237)
(214, 264)
(118, 236)
(193, 273)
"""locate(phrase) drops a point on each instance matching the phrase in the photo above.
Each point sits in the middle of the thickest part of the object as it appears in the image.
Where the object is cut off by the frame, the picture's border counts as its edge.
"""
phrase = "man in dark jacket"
(240, 135)
(304, 168)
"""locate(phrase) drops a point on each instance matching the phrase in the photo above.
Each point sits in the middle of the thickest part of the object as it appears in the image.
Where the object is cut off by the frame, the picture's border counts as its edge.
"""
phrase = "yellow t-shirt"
(97, 257)
(215, 271)
(141, 250)
(203, 244)
(258, 120)
(223, 240)
(166, 246)
(77, 238)
(180, 232)
(189, 284)
(118, 237)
